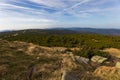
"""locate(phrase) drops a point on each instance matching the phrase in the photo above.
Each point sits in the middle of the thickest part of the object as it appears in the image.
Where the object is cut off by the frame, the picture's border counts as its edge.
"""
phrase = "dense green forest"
(64, 40)
(90, 43)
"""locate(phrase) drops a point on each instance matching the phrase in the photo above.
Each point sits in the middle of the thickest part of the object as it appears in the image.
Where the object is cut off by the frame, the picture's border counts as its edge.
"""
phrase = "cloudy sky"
(25, 14)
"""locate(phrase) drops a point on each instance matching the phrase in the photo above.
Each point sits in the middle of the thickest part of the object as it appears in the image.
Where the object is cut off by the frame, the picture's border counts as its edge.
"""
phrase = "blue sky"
(26, 14)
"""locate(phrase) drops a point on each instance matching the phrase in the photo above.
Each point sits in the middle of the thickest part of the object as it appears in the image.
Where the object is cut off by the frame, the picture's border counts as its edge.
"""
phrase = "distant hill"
(99, 31)
(68, 31)
(41, 31)
(93, 30)
(65, 37)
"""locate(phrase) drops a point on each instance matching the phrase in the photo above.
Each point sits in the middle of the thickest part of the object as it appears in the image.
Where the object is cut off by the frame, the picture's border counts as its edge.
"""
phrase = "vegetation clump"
(89, 52)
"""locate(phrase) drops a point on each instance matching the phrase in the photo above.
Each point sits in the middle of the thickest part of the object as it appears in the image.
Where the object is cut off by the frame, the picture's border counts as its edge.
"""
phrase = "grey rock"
(67, 76)
(81, 59)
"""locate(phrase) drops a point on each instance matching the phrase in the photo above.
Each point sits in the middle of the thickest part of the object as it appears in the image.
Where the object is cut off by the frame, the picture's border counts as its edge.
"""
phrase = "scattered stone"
(117, 65)
(98, 59)
(20, 49)
(72, 56)
(59, 49)
(38, 58)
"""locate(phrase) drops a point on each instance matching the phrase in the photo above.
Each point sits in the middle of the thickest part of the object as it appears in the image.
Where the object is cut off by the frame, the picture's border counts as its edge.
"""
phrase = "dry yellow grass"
(108, 73)
(113, 51)
(48, 63)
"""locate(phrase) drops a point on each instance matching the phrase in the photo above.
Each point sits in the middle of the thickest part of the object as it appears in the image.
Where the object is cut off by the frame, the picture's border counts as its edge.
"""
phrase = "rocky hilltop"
(26, 61)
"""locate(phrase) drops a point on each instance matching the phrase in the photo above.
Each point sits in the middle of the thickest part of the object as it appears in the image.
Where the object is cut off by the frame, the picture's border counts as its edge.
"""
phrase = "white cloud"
(80, 3)
(58, 4)
(7, 6)
(11, 19)
(10, 23)
(49, 12)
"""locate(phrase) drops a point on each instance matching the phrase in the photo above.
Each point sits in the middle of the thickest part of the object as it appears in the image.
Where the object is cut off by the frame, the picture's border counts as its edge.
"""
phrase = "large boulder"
(98, 59)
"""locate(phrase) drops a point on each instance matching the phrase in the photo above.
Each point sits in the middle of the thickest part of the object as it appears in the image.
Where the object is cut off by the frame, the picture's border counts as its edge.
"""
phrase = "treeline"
(90, 44)
(66, 40)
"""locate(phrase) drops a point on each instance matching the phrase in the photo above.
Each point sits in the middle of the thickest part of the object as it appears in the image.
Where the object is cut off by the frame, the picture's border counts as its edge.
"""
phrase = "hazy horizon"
(42, 14)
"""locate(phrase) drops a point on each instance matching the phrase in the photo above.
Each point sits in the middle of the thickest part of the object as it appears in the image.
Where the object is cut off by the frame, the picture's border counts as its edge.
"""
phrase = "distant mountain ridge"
(98, 31)
(69, 31)
(93, 30)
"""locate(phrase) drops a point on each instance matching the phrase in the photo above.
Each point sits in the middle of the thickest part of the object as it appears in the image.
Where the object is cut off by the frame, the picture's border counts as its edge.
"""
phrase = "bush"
(89, 52)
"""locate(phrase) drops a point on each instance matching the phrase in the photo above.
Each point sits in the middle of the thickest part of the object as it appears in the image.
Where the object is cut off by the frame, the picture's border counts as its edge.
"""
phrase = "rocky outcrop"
(98, 59)
(81, 59)
(46, 63)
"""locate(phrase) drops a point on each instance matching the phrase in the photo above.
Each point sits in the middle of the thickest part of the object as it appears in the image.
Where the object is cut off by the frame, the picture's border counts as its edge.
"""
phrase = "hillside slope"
(26, 61)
